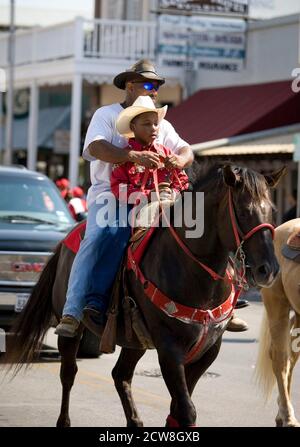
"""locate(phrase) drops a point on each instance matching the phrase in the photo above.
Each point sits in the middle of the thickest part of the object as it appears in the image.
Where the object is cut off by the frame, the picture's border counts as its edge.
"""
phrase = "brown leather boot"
(67, 326)
(236, 325)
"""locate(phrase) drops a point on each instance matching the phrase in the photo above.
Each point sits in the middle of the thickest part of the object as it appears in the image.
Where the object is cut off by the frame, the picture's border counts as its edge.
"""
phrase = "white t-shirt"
(103, 127)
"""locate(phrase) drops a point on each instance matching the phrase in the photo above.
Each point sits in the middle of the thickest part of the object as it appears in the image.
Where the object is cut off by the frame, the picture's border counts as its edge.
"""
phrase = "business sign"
(239, 7)
(61, 141)
(296, 154)
(21, 100)
(196, 42)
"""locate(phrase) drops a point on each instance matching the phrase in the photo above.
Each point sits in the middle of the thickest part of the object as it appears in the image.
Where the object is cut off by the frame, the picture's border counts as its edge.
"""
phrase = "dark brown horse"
(189, 270)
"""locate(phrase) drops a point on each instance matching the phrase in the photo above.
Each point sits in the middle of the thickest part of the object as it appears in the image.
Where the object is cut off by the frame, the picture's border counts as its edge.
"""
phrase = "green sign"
(296, 156)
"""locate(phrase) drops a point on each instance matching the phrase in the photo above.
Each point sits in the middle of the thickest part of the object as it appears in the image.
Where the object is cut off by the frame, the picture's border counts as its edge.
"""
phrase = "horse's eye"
(244, 214)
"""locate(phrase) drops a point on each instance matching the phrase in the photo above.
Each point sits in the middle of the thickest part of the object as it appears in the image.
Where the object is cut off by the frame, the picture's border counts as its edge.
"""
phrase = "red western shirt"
(132, 174)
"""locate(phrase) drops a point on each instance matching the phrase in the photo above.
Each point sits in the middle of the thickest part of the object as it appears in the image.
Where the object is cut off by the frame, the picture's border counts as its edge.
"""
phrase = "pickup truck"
(33, 220)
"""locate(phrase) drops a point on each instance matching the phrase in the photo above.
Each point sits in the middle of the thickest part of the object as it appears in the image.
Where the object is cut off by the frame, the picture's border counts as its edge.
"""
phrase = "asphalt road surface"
(225, 397)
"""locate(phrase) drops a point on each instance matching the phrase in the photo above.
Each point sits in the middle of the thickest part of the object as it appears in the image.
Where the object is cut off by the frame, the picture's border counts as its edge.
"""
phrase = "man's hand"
(144, 158)
(175, 161)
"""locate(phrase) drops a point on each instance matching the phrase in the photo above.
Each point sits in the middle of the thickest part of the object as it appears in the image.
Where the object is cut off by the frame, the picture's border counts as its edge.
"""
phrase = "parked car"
(33, 219)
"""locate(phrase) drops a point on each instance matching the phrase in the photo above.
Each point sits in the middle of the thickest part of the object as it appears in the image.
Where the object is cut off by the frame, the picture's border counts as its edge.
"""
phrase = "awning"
(49, 120)
(248, 150)
(278, 141)
(217, 113)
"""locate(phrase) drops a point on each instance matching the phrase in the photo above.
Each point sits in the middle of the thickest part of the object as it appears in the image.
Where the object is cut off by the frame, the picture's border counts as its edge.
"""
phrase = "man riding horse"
(101, 251)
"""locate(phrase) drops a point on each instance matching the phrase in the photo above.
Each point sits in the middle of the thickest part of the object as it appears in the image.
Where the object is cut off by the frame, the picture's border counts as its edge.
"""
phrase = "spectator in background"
(291, 213)
(63, 185)
(77, 204)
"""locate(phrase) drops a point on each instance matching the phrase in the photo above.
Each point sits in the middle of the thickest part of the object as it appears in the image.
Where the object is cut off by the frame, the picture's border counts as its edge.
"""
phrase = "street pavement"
(225, 397)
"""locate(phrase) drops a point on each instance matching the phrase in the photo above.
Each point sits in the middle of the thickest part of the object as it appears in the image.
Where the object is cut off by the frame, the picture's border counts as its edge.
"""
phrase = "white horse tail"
(264, 375)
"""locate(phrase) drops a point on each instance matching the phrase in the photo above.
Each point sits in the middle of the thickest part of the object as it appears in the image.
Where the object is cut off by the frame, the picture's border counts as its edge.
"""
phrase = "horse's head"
(245, 217)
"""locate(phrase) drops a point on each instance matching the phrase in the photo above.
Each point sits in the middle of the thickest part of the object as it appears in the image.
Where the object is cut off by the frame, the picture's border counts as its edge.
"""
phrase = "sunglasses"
(147, 85)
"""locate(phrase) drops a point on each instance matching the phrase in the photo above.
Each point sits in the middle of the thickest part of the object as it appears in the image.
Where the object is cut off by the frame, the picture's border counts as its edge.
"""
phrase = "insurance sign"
(199, 42)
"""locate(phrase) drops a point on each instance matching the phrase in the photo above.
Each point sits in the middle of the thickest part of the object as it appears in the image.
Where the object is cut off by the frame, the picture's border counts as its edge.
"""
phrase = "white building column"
(75, 128)
(33, 126)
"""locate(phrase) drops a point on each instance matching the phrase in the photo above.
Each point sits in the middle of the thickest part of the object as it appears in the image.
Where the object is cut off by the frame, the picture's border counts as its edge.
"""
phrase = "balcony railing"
(119, 39)
(100, 38)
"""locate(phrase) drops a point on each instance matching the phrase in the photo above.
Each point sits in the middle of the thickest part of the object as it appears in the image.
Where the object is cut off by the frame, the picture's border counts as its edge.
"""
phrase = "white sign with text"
(201, 42)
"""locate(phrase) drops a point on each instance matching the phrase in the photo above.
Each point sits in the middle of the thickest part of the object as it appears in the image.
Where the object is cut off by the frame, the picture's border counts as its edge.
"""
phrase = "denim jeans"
(97, 262)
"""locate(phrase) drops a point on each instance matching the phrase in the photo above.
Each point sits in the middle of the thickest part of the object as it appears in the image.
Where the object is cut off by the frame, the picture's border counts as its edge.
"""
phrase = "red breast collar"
(181, 312)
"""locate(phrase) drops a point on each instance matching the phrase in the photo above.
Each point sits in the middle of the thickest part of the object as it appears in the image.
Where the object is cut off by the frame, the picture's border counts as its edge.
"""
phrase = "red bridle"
(236, 231)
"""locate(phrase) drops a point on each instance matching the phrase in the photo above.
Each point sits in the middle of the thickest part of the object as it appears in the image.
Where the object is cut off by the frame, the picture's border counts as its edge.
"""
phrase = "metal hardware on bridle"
(130, 301)
(238, 263)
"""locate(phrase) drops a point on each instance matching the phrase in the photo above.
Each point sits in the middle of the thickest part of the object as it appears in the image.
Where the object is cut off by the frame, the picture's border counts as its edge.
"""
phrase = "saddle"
(124, 319)
(146, 217)
(149, 214)
(291, 250)
(125, 322)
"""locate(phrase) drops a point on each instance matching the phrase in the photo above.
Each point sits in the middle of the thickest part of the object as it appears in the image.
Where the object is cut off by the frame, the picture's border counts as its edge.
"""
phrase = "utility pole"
(8, 155)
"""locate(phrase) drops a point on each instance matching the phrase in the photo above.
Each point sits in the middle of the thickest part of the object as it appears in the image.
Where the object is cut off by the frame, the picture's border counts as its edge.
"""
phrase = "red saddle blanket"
(73, 239)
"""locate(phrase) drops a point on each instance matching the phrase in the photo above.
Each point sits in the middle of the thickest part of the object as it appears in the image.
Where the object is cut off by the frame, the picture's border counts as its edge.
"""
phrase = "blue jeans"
(97, 262)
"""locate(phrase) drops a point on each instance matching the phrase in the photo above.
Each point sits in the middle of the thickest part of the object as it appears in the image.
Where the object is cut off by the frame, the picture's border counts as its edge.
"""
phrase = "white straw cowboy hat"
(142, 70)
(141, 105)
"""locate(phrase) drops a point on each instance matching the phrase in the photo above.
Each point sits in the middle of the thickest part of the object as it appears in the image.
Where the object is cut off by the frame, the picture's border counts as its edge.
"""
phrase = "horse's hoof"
(63, 422)
(171, 422)
(293, 423)
(289, 423)
(135, 423)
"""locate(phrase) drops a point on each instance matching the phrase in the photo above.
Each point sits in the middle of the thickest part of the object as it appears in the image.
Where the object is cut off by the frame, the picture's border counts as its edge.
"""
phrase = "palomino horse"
(279, 347)
(186, 330)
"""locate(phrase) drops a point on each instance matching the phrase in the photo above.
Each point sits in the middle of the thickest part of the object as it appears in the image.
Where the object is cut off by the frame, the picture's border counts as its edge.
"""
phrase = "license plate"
(21, 301)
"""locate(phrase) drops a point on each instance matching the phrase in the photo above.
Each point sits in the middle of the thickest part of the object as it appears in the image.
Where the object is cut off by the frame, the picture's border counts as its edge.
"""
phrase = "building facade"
(64, 72)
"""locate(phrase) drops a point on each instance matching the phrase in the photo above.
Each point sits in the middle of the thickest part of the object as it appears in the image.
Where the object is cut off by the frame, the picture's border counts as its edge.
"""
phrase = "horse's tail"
(264, 375)
(31, 326)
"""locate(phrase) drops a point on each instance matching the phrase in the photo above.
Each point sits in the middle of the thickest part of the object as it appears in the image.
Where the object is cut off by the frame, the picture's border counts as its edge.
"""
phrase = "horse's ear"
(231, 175)
(274, 178)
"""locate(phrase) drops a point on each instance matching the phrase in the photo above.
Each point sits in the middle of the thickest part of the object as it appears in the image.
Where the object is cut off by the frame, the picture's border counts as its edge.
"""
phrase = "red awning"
(225, 112)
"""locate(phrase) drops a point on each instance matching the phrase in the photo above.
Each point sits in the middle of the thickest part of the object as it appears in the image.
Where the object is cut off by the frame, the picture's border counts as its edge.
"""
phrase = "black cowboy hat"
(143, 70)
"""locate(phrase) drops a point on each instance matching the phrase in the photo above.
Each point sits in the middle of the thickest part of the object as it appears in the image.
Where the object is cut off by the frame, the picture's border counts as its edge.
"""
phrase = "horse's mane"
(207, 175)
(203, 173)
